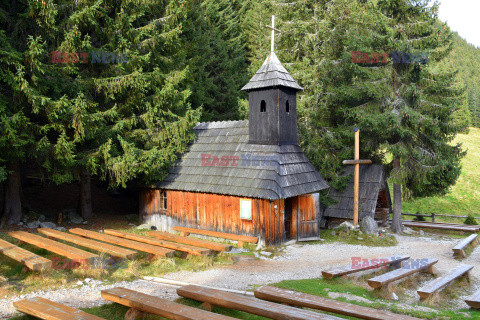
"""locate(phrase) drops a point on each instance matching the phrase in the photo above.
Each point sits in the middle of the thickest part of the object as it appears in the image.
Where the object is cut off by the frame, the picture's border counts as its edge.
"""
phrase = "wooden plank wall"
(218, 213)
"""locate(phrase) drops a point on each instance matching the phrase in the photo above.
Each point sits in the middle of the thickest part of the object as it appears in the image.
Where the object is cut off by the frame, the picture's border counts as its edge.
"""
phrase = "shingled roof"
(372, 181)
(271, 74)
(261, 171)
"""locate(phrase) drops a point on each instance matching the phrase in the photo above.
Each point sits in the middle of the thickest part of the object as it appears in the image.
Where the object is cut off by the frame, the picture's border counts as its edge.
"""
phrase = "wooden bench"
(27, 258)
(91, 244)
(372, 264)
(459, 249)
(213, 297)
(299, 299)
(140, 303)
(409, 267)
(190, 241)
(474, 300)
(154, 251)
(239, 238)
(441, 282)
(45, 309)
(468, 226)
(440, 226)
(55, 247)
(156, 242)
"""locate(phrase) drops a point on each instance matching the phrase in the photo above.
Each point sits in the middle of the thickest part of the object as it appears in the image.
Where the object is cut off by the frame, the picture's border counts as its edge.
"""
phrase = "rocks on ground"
(73, 216)
(144, 226)
(345, 225)
(369, 225)
(48, 224)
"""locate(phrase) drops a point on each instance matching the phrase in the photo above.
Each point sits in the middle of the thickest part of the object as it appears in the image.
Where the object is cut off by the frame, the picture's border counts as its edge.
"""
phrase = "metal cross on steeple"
(273, 33)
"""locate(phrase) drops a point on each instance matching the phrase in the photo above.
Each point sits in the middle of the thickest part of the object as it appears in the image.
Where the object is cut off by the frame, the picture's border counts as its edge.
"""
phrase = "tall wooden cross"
(273, 33)
(357, 162)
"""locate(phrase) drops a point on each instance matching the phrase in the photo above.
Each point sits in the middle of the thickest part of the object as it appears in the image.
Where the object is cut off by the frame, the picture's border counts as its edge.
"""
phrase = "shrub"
(470, 220)
(419, 218)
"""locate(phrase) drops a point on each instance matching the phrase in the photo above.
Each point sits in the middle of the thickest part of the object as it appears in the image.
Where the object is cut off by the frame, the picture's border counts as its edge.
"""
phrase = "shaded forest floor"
(464, 197)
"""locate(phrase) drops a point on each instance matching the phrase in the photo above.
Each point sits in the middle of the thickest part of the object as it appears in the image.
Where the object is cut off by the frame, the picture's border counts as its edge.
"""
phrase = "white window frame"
(245, 209)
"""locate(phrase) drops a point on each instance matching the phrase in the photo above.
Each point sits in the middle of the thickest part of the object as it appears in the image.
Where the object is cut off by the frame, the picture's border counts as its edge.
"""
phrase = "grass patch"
(345, 235)
(464, 197)
(370, 298)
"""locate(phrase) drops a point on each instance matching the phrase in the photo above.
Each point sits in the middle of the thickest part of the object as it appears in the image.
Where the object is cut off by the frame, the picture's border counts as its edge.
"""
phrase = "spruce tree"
(24, 28)
(123, 113)
(216, 55)
(404, 107)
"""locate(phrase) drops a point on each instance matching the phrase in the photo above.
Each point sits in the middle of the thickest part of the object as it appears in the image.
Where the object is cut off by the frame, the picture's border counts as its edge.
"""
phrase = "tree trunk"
(85, 201)
(12, 205)
(397, 202)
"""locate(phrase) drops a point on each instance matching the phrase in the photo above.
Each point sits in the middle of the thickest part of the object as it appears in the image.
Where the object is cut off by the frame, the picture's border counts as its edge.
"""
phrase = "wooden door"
(308, 217)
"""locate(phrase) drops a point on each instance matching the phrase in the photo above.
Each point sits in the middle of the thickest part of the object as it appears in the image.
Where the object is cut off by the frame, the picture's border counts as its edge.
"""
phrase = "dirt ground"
(299, 261)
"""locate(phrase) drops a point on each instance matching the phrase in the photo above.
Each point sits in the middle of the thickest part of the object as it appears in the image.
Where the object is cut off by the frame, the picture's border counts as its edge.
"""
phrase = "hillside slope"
(464, 197)
(465, 58)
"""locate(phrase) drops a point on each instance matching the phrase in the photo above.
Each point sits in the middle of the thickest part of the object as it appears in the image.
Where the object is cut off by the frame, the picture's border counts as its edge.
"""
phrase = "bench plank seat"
(249, 304)
(373, 264)
(158, 306)
(440, 226)
(409, 267)
(471, 226)
(459, 249)
(240, 238)
(148, 248)
(25, 257)
(299, 299)
(190, 241)
(474, 300)
(45, 309)
(441, 282)
(54, 246)
(91, 244)
(156, 242)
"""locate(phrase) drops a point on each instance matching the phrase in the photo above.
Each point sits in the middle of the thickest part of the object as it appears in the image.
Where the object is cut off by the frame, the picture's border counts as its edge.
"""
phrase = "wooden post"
(357, 177)
(356, 182)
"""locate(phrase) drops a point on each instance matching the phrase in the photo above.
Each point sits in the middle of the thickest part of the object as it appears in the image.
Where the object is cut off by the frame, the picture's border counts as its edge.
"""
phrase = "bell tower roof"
(272, 74)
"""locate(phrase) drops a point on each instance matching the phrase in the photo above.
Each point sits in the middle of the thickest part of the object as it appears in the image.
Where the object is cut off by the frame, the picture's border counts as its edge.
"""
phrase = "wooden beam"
(191, 241)
(441, 282)
(474, 300)
(230, 236)
(158, 306)
(54, 246)
(304, 300)
(409, 268)
(161, 243)
(459, 249)
(372, 264)
(357, 161)
(45, 309)
(356, 183)
(148, 248)
(27, 258)
(91, 244)
(439, 226)
(249, 304)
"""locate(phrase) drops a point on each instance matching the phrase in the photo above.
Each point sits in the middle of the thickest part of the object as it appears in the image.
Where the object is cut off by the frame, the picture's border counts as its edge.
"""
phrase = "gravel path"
(297, 262)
